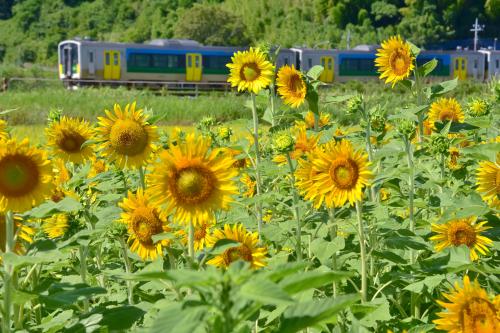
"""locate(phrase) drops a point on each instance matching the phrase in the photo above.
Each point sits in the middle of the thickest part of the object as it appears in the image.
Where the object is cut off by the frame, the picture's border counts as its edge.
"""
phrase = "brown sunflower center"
(146, 223)
(233, 254)
(400, 62)
(70, 142)
(194, 185)
(128, 137)
(344, 173)
(200, 233)
(249, 72)
(462, 233)
(479, 316)
(447, 115)
(19, 175)
(295, 84)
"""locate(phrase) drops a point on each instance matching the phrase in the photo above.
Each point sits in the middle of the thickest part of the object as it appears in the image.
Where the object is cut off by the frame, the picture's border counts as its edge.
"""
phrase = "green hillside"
(31, 29)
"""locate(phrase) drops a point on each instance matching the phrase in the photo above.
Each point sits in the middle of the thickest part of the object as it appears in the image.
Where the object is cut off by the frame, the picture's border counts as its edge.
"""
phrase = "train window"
(475, 63)
(172, 61)
(310, 62)
(463, 64)
(497, 63)
(115, 58)
(286, 61)
(196, 61)
(190, 61)
(107, 59)
(91, 57)
(160, 60)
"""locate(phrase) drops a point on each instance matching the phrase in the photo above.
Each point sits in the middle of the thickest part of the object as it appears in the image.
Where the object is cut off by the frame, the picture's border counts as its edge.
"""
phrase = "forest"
(31, 29)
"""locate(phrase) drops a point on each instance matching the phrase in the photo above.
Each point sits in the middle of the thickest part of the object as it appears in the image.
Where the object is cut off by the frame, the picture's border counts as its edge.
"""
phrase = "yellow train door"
(193, 67)
(112, 69)
(327, 74)
(460, 68)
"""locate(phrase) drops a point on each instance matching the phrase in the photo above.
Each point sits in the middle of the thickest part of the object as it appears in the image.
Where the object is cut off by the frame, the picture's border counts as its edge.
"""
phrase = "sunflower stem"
(258, 204)
(296, 211)
(191, 240)
(418, 87)
(316, 122)
(83, 272)
(128, 269)
(443, 173)
(411, 194)
(369, 148)
(142, 178)
(333, 235)
(7, 277)
(362, 249)
(271, 97)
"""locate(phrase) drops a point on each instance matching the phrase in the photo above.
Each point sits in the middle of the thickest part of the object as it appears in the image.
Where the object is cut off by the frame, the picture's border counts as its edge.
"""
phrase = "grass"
(33, 102)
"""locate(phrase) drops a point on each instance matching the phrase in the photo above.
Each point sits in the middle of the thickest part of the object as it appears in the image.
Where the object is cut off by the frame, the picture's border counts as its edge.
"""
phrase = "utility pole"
(476, 28)
(348, 38)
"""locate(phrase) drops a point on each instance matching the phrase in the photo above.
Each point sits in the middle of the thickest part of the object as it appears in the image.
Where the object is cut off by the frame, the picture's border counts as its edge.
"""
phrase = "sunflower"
(21, 230)
(241, 161)
(324, 119)
(291, 86)
(66, 138)
(384, 194)
(250, 185)
(444, 110)
(462, 232)
(303, 143)
(193, 181)
(304, 176)
(249, 70)
(246, 250)
(126, 137)
(470, 310)
(478, 108)
(394, 60)
(4, 135)
(56, 225)
(144, 220)
(61, 173)
(201, 235)
(338, 175)
(25, 176)
(453, 163)
(488, 182)
(97, 166)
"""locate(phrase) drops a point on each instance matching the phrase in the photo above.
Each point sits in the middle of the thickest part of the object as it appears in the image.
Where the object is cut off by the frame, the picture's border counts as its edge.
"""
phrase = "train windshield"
(69, 59)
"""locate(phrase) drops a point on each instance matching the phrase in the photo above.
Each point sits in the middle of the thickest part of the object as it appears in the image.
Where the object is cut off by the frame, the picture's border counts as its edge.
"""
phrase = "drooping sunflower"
(324, 119)
(126, 137)
(247, 250)
(453, 163)
(444, 110)
(56, 225)
(339, 174)
(22, 231)
(3, 130)
(470, 310)
(394, 60)
(250, 70)
(193, 181)
(304, 143)
(488, 182)
(462, 232)
(66, 138)
(25, 176)
(201, 235)
(143, 220)
(291, 86)
(250, 185)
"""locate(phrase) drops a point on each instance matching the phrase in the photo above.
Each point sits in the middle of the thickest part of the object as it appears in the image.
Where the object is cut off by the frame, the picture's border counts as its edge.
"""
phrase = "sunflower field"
(297, 225)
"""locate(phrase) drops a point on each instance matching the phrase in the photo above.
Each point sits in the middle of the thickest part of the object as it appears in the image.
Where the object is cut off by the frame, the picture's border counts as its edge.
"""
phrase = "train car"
(492, 64)
(307, 58)
(181, 61)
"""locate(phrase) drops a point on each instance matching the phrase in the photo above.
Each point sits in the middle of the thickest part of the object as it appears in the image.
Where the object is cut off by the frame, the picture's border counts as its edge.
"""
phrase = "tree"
(211, 25)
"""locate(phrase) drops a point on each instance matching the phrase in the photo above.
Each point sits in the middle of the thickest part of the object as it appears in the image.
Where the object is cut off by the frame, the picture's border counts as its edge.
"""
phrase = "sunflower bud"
(478, 108)
(439, 145)
(206, 123)
(224, 133)
(117, 229)
(406, 128)
(283, 142)
(354, 104)
(378, 121)
(54, 115)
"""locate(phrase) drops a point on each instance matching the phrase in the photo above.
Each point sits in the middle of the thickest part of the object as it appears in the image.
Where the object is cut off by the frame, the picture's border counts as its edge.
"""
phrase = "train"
(187, 63)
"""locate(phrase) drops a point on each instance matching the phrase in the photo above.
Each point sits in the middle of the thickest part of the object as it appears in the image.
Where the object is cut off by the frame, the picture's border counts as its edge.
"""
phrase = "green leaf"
(67, 204)
(442, 88)
(311, 279)
(61, 294)
(121, 318)
(173, 318)
(430, 282)
(222, 245)
(414, 49)
(324, 250)
(265, 292)
(307, 314)
(338, 99)
(268, 116)
(315, 72)
(455, 127)
(428, 67)
(312, 98)
(391, 256)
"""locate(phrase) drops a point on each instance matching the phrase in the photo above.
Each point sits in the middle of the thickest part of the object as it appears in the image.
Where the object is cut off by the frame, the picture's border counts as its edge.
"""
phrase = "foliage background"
(31, 29)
